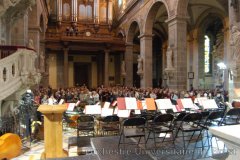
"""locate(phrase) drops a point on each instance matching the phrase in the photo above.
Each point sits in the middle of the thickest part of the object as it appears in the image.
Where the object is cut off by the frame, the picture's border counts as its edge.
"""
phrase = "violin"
(10, 146)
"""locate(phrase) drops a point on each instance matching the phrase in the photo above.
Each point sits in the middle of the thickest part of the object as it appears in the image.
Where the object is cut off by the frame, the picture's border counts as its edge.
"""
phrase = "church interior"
(124, 79)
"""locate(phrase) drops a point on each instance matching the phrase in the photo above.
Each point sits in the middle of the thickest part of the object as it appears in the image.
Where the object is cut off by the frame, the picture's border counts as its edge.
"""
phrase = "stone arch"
(131, 31)
(181, 8)
(151, 14)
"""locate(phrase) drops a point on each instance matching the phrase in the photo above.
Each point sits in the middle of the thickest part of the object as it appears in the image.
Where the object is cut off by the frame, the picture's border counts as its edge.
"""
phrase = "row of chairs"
(149, 126)
(184, 123)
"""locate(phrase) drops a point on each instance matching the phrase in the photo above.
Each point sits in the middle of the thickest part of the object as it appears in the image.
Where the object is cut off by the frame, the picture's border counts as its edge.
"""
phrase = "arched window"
(89, 12)
(82, 12)
(66, 11)
(207, 55)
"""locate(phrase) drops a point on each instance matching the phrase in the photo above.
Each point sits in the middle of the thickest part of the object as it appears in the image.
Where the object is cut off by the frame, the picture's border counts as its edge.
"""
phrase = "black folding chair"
(190, 124)
(232, 117)
(131, 128)
(213, 119)
(110, 124)
(161, 124)
(85, 125)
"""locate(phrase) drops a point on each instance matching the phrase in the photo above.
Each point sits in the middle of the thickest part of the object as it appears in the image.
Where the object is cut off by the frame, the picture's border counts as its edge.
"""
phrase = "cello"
(10, 146)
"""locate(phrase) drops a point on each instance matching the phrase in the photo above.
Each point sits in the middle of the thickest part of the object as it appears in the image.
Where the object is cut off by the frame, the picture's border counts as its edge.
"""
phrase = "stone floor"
(106, 148)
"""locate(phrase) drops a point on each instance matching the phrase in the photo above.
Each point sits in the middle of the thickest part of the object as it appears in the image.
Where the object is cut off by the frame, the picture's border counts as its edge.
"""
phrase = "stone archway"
(155, 30)
(132, 41)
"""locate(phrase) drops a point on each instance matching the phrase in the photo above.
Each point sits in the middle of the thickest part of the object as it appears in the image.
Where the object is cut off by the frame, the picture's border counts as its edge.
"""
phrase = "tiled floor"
(106, 148)
(33, 151)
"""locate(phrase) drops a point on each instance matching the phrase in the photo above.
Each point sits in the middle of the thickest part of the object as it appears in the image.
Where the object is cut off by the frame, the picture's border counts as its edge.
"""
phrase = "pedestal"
(53, 131)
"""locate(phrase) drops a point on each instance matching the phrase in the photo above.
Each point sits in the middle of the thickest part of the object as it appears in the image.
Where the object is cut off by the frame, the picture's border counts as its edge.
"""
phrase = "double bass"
(10, 146)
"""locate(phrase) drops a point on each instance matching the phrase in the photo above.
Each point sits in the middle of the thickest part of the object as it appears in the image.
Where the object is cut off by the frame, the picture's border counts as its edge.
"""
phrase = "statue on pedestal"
(123, 70)
(140, 65)
(42, 62)
(169, 58)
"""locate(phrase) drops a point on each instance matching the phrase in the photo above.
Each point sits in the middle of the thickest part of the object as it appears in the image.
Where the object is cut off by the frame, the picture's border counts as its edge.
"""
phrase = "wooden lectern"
(53, 131)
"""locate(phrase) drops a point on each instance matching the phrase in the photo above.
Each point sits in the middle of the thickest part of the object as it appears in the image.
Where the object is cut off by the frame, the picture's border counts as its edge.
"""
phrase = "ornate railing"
(9, 125)
(17, 69)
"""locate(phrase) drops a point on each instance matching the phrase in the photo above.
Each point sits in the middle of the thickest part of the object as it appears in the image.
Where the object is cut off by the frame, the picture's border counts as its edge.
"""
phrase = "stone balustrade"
(17, 71)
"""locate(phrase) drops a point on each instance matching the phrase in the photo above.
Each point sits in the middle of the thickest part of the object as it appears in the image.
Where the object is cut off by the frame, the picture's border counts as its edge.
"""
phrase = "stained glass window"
(207, 55)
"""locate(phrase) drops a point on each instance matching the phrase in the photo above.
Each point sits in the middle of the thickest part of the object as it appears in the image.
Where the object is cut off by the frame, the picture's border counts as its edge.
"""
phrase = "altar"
(231, 137)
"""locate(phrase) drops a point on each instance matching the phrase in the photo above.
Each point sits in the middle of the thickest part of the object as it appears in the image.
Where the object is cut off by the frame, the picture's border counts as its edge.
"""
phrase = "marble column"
(65, 65)
(128, 58)
(59, 10)
(106, 68)
(234, 81)
(146, 54)
(177, 32)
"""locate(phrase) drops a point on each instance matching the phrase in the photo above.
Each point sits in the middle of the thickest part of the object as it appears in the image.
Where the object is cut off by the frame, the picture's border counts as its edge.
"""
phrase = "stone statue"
(42, 62)
(169, 58)
(235, 43)
(140, 65)
(30, 44)
(123, 70)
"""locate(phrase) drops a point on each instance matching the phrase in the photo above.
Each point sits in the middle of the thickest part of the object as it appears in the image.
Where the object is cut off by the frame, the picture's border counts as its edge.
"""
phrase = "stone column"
(128, 58)
(226, 51)
(177, 28)
(106, 68)
(65, 65)
(146, 54)
(74, 10)
(59, 10)
(190, 55)
(234, 80)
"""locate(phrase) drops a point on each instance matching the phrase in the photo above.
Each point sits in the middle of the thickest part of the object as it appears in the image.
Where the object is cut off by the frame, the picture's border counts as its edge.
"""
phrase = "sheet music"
(209, 104)
(106, 112)
(144, 105)
(164, 104)
(131, 103)
(93, 109)
(199, 100)
(123, 113)
(106, 105)
(115, 110)
(187, 103)
(71, 106)
(61, 101)
(137, 111)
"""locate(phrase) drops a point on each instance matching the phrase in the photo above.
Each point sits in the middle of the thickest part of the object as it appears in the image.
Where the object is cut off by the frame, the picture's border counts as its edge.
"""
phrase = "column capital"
(145, 36)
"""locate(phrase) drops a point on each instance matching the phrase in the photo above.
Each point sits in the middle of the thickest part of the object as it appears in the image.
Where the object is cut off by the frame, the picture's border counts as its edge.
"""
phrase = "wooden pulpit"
(53, 131)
